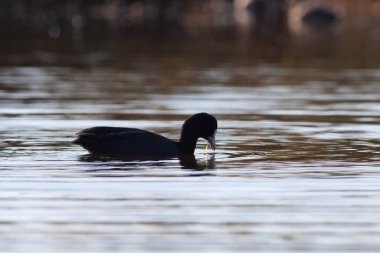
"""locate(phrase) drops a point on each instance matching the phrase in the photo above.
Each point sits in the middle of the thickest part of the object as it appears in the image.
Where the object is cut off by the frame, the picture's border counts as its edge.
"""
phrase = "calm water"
(296, 167)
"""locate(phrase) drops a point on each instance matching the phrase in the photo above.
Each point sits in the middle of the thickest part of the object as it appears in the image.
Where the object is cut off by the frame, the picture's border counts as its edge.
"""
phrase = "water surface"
(295, 170)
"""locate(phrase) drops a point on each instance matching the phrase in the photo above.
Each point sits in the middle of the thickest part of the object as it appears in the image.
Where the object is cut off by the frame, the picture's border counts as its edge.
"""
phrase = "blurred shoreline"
(313, 33)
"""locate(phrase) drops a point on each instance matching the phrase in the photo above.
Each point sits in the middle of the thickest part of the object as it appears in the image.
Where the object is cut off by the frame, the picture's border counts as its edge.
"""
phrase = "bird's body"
(131, 141)
(137, 142)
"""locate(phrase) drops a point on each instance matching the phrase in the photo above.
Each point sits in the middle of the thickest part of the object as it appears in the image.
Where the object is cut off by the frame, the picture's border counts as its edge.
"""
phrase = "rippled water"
(296, 167)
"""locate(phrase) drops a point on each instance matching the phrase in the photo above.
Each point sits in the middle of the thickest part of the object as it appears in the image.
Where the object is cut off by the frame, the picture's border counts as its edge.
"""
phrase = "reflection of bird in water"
(104, 163)
(116, 141)
(320, 17)
(191, 163)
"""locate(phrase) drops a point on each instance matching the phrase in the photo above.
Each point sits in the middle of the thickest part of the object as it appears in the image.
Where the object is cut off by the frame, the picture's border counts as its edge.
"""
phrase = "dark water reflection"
(296, 166)
(186, 162)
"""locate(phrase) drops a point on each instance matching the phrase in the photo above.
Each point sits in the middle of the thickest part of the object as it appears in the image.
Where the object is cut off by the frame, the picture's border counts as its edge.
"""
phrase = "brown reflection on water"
(349, 46)
(299, 148)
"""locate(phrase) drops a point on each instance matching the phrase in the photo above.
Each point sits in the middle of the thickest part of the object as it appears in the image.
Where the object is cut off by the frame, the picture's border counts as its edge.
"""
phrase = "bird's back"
(125, 141)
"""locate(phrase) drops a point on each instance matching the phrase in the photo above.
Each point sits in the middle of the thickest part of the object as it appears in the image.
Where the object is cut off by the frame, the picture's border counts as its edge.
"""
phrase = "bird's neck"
(187, 142)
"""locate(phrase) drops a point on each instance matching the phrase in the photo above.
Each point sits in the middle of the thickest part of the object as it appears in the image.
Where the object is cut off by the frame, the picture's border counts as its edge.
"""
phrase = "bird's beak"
(211, 140)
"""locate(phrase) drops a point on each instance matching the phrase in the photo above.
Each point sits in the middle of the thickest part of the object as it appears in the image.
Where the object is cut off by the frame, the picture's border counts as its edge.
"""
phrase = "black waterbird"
(136, 142)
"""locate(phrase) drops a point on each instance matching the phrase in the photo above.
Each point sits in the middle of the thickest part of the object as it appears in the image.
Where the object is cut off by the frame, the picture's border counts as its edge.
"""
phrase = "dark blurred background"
(289, 32)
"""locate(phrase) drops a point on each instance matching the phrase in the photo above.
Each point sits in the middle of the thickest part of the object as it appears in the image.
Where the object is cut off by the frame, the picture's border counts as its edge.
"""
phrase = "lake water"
(296, 167)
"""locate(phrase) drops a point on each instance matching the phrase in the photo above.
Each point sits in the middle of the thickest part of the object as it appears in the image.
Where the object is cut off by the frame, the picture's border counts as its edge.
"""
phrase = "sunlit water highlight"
(296, 166)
